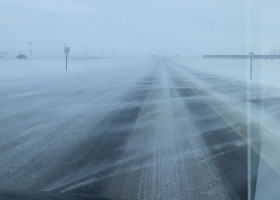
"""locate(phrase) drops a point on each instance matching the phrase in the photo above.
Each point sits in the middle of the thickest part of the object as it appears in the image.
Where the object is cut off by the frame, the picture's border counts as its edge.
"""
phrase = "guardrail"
(243, 56)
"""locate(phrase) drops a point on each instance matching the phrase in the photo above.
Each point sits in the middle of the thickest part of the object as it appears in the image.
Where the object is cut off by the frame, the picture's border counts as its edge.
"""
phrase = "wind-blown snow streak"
(134, 128)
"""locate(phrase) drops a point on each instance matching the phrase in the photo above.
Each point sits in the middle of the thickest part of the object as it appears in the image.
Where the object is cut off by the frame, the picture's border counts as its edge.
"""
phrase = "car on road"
(21, 56)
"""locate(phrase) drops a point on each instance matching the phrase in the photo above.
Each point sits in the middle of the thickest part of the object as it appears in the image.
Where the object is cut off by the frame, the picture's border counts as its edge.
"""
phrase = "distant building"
(21, 56)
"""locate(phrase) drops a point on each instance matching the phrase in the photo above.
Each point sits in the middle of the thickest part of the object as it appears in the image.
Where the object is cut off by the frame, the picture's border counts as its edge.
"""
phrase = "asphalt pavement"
(163, 137)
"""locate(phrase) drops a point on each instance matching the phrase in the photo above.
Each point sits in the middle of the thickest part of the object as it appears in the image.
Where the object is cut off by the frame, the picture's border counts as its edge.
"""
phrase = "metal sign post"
(251, 64)
(66, 51)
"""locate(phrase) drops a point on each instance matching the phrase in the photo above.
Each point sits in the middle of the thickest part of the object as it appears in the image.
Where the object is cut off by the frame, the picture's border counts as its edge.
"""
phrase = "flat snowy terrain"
(140, 128)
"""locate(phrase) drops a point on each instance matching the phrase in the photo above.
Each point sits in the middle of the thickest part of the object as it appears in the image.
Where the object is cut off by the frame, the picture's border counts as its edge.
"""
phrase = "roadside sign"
(66, 50)
(251, 54)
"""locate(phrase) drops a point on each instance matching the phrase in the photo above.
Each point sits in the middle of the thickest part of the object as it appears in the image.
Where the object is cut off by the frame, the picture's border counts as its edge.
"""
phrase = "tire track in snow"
(228, 149)
(201, 178)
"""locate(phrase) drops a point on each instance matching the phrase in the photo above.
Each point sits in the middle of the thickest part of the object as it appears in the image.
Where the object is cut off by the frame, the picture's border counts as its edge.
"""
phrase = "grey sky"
(140, 26)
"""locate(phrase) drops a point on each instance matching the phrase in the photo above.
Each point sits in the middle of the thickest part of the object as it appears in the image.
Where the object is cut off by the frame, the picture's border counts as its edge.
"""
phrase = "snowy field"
(265, 71)
(140, 128)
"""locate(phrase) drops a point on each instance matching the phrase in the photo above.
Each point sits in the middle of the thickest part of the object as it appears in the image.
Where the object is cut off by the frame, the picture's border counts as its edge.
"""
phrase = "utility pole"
(30, 48)
(251, 54)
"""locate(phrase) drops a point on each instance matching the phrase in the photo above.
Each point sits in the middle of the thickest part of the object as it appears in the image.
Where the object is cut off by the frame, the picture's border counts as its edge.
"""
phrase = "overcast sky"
(140, 26)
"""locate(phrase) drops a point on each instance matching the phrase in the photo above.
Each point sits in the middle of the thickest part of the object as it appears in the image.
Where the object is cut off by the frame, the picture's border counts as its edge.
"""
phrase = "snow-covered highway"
(133, 128)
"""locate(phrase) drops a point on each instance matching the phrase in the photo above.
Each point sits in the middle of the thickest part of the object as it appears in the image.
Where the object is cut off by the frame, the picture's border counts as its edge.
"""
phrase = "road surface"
(156, 133)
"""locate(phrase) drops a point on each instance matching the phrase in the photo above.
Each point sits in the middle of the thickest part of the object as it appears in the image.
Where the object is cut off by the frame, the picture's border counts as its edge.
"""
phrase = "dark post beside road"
(66, 51)
(66, 61)
(251, 64)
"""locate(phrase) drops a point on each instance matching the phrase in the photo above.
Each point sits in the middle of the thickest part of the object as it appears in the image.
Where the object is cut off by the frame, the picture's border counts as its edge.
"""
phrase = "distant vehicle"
(21, 56)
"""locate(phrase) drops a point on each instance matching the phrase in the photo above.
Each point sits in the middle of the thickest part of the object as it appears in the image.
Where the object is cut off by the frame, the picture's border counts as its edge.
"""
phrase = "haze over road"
(156, 130)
